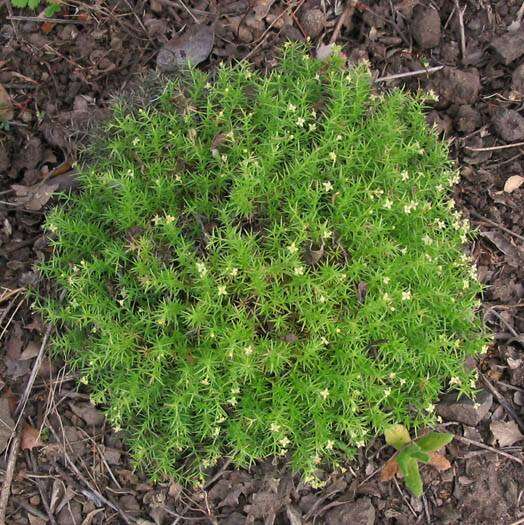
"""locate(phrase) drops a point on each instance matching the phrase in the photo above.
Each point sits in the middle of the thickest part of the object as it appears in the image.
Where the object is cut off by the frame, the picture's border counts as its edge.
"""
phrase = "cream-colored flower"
(386, 280)
(299, 270)
(388, 203)
(201, 269)
(291, 107)
(338, 137)
(333, 156)
(427, 240)
(404, 175)
(292, 248)
(406, 296)
(233, 272)
(300, 122)
(222, 290)
(329, 445)
(324, 394)
(312, 127)
(274, 427)
(327, 186)
(284, 442)
(248, 350)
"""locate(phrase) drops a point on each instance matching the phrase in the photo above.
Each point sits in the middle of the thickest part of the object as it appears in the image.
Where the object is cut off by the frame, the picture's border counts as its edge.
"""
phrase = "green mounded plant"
(52, 8)
(265, 265)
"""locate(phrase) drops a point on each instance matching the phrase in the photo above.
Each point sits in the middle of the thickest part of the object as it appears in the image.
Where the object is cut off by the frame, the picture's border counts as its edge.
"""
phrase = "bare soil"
(59, 76)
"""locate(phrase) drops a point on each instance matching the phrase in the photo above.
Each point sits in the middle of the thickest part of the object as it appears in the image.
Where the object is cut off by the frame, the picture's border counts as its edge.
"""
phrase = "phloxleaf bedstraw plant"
(265, 265)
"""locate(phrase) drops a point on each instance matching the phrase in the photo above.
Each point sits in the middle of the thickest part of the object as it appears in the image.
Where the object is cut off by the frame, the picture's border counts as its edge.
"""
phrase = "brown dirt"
(59, 76)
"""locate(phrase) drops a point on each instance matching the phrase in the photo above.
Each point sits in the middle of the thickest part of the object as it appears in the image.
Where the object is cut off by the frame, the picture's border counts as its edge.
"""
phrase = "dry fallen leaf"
(6, 106)
(389, 470)
(6, 423)
(513, 183)
(506, 433)
(439, 461)
(35, 197)
(30, 438)
(193, 47)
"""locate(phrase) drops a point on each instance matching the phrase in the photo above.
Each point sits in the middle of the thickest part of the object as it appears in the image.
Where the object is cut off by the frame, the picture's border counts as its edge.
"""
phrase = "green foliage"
(411, 452)
(433, 441)
(50, 10)
(265, 265)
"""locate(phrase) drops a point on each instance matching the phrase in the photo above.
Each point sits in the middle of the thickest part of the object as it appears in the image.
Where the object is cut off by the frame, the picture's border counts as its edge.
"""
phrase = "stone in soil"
(359, 512)
(509, 125)
(425, 27)
(459, 87)
(510, 46)
(464, 410)
(517, 80)
(313, 22)
(467, 119)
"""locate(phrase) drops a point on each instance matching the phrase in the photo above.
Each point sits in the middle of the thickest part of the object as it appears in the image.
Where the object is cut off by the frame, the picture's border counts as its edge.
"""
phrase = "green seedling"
(411, 452)
(264, 265)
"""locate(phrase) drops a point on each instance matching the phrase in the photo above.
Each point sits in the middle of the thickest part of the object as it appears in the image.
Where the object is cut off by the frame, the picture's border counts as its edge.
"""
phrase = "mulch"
(59, 76)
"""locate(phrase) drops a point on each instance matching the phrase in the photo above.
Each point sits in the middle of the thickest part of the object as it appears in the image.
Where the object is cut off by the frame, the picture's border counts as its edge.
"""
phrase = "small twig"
(410, 74)
(505, 405)
(505, 323)
(36, 367)
(4, 315)
(346, 14)
(9, 293)
(195, 19)
(92, 490)
(8, 477)
(262, 38)
(426, 508)
(406, 501)
(52, 20)
(460, 15)
(496, 224)
(495, 148)
(468, 441)
(38, 483)
(521, 521)
(206, 485)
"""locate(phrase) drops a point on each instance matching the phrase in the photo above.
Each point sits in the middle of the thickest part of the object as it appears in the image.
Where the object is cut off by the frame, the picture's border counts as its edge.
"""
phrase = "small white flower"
(284, 442)
(317, 76)
(291, 107)
(327, 186)
(223, 157)
(233, 272)
(324, 341)
(338, 137)
(327, 234)
(386, 280)
(322, 299)
(201, 268)
(429, 408)
(248, 350)
(317, 459)
(465, 284)
(406, 296)
(312, 127)
(427, 240)
(292, 248)
(329, 445)
(440, 224)
(333, 156)
(455, 381)
(404, 175)
(386, 297)
(205, 381)
(299, 270)
(136, 141)
(387, 204)
(324, 394)
(222, 290)
(338, 330)
(300, 122)
(233, 401)
(404, 250)
(392, 375)
(387, 392)
(235, 390)
(274, 427)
